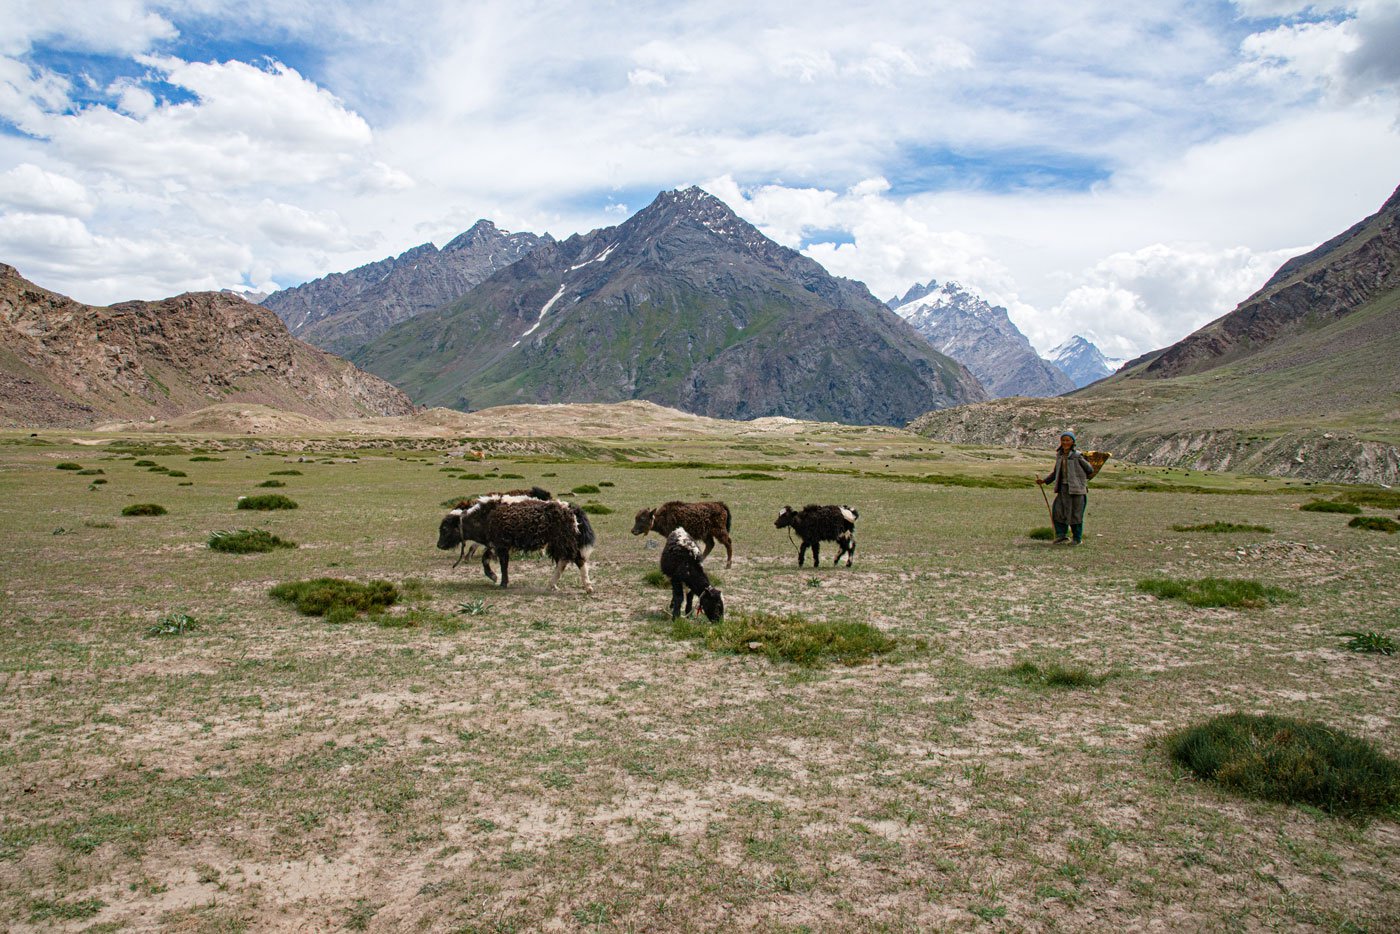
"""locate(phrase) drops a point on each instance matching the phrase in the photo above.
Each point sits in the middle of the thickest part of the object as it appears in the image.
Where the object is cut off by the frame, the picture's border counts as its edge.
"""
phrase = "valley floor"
(557, 761)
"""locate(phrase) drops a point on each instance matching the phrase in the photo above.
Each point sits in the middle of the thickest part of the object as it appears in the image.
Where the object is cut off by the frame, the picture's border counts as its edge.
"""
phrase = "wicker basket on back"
(1097, 458)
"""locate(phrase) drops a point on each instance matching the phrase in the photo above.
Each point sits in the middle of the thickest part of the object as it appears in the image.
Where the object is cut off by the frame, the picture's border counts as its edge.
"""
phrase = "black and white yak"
(706, 522)
(468, 547)
(817, 524)
(680, 562)
(522, 523)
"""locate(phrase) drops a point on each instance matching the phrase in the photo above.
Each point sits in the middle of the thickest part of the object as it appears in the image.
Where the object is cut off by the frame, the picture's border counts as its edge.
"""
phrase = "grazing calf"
(505, 524)
(704, 522)
(680, 561)
(817, 524)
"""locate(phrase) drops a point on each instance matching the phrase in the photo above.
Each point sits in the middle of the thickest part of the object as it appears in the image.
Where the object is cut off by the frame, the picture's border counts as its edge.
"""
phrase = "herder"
(1071, 479)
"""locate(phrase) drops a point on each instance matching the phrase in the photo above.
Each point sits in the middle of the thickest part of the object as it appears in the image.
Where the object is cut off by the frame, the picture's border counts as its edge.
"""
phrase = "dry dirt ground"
(558, 761)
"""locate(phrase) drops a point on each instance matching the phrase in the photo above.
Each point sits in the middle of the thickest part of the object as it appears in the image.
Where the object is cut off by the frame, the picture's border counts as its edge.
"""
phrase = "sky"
(1127, 170)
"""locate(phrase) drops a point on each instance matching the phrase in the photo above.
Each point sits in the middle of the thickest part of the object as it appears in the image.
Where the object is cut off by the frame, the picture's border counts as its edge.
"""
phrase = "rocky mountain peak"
(1082, 361)
(982, 337)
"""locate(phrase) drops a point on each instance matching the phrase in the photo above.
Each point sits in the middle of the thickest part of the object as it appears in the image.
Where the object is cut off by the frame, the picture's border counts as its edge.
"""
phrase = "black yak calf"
(680, 562)
(817, 524)
(505, 524)
(704, 522)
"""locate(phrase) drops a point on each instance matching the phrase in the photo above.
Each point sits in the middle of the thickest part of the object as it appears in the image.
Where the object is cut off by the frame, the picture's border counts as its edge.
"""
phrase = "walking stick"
(1046, 497)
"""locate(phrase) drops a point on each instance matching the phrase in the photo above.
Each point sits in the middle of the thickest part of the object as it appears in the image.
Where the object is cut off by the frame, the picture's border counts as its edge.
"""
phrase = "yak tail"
(727, 516)
(587, 538)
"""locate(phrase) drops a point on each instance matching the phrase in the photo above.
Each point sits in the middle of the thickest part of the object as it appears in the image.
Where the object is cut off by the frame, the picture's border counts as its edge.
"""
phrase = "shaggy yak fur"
(680, 561)
(468, 548)
(817, 524)
(562, 531)
(704, 522)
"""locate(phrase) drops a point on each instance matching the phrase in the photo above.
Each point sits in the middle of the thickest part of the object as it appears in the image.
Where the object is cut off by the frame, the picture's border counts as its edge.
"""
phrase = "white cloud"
(121, 26)
(28, 188)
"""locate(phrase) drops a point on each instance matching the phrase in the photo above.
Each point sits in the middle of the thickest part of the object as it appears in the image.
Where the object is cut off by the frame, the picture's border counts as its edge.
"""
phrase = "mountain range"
(343, 311)
(63, 363)
(1301, 379)
(981, 337)
(683, 304)
(1082, 361)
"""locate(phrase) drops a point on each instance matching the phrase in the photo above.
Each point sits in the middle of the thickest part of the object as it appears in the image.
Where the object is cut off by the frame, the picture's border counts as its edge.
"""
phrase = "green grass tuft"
(286, 473)
(336, 599)
(1055, 675)
(654, 578)
(204, 458)
(1327, 505)
(91, 472)
(247, 541)
(267, 501)
(1288, 760)
(789, 638)
(144, 509)
(584, 488)
(48, 909)
(1375, 524)
(144, 464)
(1042, 534)
(597, 509)
(1215, 591)
(1373, 643)
(68, 465)
(743, 475)
(1221, 527)
(176, 473)
(173, 624)
(272, 483)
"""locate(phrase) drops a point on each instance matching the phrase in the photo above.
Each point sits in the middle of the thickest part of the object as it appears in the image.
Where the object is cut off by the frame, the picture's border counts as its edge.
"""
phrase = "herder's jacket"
(1076, 470)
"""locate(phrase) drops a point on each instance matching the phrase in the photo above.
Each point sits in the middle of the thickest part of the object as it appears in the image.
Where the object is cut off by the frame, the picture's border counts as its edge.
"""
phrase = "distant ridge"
(63, 363)
(1302, 379)
(981, 337)
(1082, 361)
(686, 305)
(343, 311)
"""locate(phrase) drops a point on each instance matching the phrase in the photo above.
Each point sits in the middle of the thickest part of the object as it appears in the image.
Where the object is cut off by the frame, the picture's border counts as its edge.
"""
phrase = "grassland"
(480, 760)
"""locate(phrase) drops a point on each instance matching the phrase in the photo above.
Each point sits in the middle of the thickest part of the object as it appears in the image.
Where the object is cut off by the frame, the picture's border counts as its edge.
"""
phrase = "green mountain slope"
(684, 305)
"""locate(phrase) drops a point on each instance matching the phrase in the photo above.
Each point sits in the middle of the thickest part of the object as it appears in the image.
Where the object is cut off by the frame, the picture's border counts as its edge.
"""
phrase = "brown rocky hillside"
(66, 363)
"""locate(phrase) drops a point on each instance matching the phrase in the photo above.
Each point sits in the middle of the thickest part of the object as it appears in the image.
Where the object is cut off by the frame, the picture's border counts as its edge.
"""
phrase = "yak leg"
(558, 572)
(709, 547)
(801, 553)
(677, 589)
(728, 548)
(816, 553)
(583, 571)
(504, 558)
(486, 564)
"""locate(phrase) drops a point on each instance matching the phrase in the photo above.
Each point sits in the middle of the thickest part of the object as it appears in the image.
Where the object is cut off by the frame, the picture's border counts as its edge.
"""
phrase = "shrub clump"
(1381, 499)
(1375, 524)
(1327, 505)
(1374, 643)
(266, 501)
(1217, 527)
(1042, 534)
(176, 473)
(583, 488)
(91, 472)
(143, 463)
(1055, 675)
(654, 578)
(173, 624)
(286, 473)
(1288, 760)
(744, 475)
(1215, 592)
(789, 638)
(68, 465)
(247, 541)
(335, 599)
(597, 509)
(272, 483)
(144, 509)
(204, 458)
